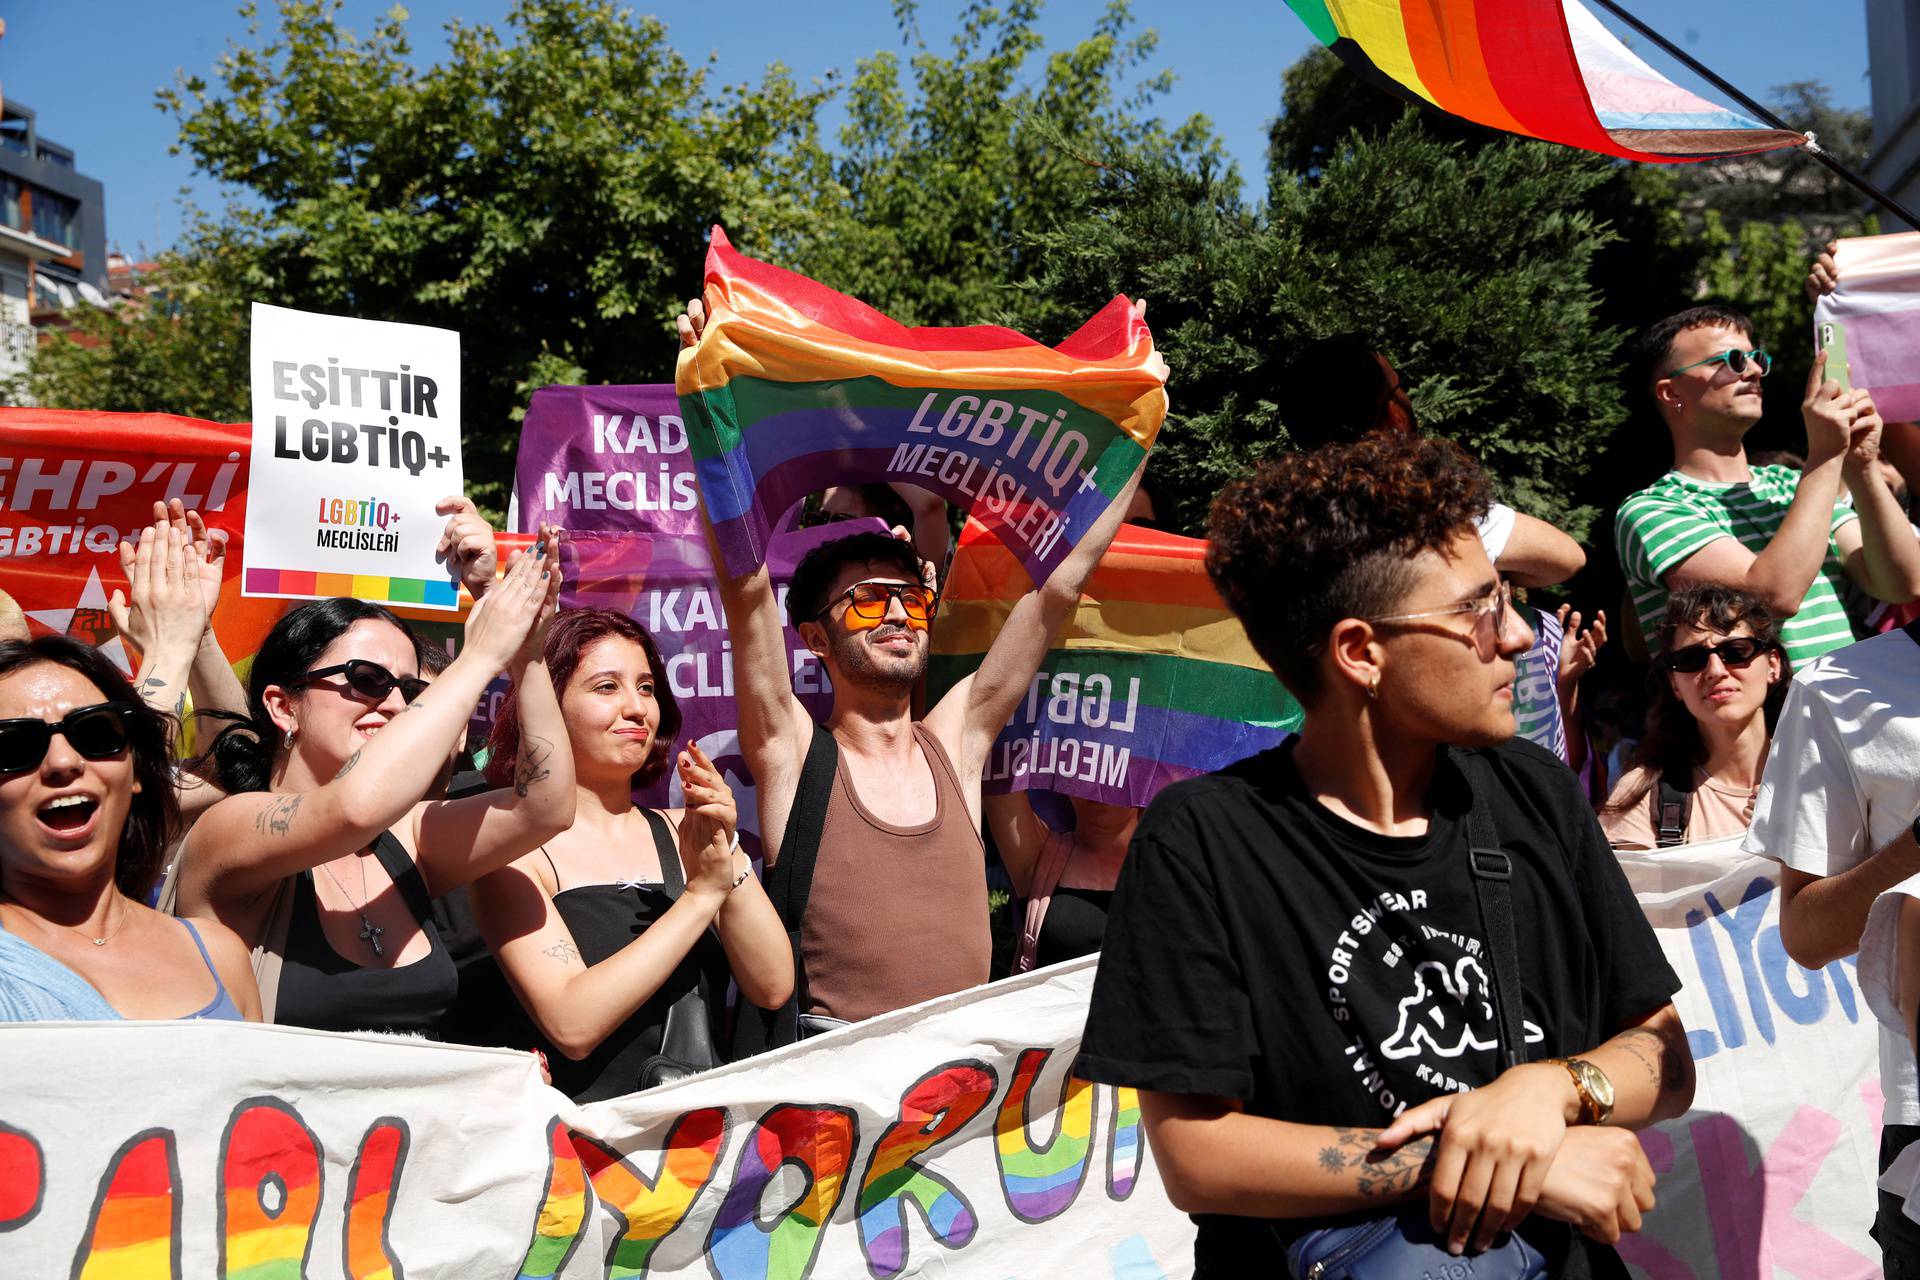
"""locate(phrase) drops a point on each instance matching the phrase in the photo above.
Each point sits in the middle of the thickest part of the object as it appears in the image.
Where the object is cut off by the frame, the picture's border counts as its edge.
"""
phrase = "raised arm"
(457, 841)
(973, 712)
(1019, 835)
(249, 842)
(1785, 568)
(775, 729)
(1879, 551)
(1538, 555)
(163, 616)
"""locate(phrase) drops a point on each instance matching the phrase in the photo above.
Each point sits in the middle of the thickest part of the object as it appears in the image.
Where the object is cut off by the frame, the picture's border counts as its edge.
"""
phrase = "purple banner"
(606, 459)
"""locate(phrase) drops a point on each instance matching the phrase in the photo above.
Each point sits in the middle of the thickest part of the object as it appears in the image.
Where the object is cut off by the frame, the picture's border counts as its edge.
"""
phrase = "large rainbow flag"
(1543, 69)
(794, 387)
(1151, 681)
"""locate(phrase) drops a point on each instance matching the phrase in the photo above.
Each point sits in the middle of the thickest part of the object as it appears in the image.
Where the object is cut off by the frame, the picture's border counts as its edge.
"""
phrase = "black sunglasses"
(98, 732)
(1692, 660)
(368, 679)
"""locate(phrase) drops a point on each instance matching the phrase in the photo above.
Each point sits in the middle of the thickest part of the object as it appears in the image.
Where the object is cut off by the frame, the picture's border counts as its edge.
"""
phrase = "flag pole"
(1813, 146)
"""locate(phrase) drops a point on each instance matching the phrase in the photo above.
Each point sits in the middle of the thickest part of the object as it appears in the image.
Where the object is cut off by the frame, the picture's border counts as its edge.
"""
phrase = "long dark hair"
(240, 758)
(573, 632)
(153, 816)
(1673, 745)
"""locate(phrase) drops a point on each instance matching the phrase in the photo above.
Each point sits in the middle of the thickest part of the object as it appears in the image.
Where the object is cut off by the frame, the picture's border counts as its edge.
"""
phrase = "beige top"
(1718, 810)
(896, 915)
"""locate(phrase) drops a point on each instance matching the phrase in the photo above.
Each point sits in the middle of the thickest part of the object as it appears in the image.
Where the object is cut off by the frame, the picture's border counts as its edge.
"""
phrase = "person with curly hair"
(1389, 967)
(1717, 689)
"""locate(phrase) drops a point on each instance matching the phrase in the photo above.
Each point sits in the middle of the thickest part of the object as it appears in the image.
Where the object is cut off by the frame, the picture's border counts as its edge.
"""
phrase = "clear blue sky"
(90, 67)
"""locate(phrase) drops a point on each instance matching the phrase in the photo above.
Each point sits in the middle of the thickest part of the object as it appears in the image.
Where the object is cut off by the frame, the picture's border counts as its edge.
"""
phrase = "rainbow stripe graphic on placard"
(649, 1212)
(1153, 680)
(821, 1142)
(1539, 68)
(1040, 1182)
(370, 1192)
(270, 1192)
(933, 1110)
(563, 1211)
(794, 387)
(303, 585)
(134, 1230)
(1124, 1148)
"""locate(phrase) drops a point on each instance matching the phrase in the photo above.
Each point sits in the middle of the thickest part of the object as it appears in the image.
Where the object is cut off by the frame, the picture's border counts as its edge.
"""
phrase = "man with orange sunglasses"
(882, 809)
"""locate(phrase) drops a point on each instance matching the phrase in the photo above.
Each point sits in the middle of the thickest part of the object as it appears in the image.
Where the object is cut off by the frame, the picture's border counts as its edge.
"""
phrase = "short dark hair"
(1311, 538)
(1332, 391)
(807, 593)
(153, 816)
(241, 757)
(1652, 347)
(573, 631)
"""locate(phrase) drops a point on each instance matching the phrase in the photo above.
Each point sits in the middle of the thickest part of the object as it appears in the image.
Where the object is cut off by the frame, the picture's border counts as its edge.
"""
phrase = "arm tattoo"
(347, 768)
(564, 952)
(532, 765)
(1652, 1051)
(275, 818)
(1377, 1174)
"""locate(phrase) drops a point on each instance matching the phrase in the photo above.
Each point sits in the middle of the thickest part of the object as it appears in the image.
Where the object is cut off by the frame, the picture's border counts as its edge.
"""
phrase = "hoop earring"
(288, 740)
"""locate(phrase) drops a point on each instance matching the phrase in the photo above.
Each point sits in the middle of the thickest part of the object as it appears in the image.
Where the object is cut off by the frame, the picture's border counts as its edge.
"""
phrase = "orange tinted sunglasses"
(868, 602)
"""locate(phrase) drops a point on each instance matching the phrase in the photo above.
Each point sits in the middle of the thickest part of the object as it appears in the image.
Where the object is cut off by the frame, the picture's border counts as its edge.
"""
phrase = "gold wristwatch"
(1595, 1090)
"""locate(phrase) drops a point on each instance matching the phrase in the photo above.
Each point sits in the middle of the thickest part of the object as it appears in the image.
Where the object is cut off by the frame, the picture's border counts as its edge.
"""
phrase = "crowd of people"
(1389, 967)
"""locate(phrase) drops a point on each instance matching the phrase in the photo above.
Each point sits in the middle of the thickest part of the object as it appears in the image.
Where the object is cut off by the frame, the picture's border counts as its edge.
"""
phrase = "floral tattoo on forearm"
(1377, 1173)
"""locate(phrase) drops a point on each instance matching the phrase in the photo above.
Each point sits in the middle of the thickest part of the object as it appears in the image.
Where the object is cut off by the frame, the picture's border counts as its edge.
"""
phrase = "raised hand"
(168, 610)
(1824, 275)
(208, 546)
(1829, 413)
(467, 541)
(691, 323)
(501, 624)
(707, 831)
(1579, 650)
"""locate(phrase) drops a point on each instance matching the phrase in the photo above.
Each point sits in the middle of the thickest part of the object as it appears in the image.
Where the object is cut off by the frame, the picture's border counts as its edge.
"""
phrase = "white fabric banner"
(944, 1141)
(941, 1141)
(1772, 1171)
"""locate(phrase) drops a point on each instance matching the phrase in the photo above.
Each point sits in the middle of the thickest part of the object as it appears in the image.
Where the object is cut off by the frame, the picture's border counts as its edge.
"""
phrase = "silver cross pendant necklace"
(369, 931)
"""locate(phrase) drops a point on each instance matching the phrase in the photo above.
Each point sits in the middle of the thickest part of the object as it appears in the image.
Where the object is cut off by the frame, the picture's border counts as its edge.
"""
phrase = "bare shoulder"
(228, 952)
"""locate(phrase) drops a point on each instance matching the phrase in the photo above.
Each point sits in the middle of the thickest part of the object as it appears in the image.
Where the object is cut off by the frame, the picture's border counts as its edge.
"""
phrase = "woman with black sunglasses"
(327, 852)
(1717, 688)
(86, 812)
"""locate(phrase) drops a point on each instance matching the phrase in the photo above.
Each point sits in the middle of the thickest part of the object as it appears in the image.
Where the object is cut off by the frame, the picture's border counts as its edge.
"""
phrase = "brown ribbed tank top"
(896, 915)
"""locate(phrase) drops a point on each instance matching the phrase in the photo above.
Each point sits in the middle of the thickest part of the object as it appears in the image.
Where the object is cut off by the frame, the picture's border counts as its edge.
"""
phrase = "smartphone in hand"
(1833, 341)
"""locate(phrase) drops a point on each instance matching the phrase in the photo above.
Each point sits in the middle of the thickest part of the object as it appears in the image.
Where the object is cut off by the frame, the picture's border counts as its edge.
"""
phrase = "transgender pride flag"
(1878, 305)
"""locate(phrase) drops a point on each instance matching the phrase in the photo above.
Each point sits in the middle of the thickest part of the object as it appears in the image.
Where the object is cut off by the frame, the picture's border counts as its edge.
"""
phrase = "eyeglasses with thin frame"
(98, 732)
(868, 603)
(1733, 652)
(1495, 603)
(368, 679)
(1736, 361)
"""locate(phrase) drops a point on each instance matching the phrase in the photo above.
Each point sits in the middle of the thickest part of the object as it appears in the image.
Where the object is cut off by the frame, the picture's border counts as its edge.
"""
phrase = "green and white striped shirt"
(1676, 515)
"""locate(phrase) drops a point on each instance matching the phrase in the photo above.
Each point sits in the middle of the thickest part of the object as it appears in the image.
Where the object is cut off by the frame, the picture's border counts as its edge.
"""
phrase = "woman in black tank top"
(327, 850)
(599, 932)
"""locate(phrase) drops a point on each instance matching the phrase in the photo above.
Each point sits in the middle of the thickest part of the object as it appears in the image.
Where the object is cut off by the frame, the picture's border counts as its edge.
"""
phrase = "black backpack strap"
(1492, 871)
(664, 844)
(1672, 807)
(789, 882)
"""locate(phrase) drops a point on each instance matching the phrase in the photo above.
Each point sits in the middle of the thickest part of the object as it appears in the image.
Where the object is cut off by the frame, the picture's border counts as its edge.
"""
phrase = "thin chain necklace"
(98, 942)
(369, 931)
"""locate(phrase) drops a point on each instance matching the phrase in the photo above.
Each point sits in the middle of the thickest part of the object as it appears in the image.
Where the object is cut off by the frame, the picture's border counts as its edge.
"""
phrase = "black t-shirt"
(1263, 949)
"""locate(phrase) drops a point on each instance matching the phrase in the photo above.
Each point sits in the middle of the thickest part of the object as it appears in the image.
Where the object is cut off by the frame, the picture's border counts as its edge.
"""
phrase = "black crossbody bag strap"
(1493, 887)
(789, 883)
(1672, 808)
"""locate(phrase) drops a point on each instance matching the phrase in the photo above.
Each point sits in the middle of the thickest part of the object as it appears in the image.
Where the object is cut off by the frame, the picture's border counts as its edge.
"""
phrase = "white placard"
(356, 434)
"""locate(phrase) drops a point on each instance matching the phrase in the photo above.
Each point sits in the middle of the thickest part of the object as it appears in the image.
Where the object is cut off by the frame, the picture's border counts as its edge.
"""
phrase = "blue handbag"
(1403, 1246)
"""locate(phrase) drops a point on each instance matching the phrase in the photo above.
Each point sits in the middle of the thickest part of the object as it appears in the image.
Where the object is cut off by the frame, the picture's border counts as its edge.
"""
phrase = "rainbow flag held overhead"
(794, 387)
(1543, 69)
(1151, 681)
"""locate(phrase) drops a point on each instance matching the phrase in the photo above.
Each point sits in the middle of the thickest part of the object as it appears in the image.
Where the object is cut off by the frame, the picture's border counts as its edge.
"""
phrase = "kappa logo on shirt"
(1449, 1012)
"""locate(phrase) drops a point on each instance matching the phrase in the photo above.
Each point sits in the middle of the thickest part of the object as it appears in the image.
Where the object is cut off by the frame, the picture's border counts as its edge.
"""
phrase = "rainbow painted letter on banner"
(794, 387)
(1543, 69)
(1152, 680)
